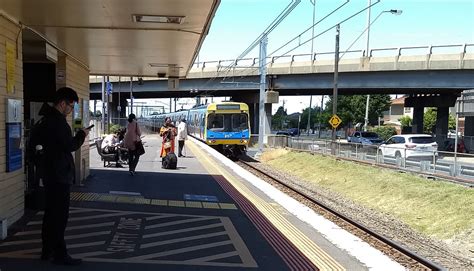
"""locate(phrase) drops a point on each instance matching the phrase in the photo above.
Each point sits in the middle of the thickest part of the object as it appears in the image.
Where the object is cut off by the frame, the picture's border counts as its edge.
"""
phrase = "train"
(225, 126)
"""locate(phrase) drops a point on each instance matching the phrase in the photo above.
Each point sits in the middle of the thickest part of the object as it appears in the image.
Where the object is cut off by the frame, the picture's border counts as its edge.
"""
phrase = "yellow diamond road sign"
(335, 121)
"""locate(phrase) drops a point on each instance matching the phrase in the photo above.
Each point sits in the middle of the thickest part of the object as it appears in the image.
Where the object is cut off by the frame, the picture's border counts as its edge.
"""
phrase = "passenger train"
(225, 126)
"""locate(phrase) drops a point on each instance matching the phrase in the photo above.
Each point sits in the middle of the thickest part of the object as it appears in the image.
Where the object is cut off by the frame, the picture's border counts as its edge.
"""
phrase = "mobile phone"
(90, 127)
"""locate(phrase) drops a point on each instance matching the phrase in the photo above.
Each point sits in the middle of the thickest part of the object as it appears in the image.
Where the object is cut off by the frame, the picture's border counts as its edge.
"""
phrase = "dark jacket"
(58, 143)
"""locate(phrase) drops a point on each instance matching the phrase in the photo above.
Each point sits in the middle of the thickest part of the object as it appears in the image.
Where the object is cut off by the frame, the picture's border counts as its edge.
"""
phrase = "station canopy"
(117, 37)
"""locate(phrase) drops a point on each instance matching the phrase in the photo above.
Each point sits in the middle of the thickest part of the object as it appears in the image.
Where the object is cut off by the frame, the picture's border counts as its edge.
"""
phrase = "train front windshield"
(227, 122)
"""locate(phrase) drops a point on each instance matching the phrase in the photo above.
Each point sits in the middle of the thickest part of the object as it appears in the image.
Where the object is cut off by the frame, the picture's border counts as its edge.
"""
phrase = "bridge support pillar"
(417, 125)
(442, 121)
(469, 133)
(442, 102)
(252, 102)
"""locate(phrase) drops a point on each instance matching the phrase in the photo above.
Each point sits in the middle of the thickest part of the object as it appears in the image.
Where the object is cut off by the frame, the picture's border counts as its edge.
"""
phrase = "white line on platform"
(368, 255)
(125, 193)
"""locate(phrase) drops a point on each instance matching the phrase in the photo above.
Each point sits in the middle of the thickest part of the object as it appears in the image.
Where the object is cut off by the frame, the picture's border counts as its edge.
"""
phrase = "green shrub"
(114, 128)
(385, 132)
(405, 121)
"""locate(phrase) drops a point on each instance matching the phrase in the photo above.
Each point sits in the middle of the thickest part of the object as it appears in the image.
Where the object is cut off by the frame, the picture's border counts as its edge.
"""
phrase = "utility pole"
(309, 115)
(261, 105)
(308, 127)
(119, 107)
(103, 104)
(320, 116)
(366, 120)
(109, 113)
(334, 92)
(131, 95)
(369, 3)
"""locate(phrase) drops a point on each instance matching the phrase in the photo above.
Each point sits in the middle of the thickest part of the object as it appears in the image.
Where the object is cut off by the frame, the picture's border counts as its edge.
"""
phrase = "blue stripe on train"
(228, 135)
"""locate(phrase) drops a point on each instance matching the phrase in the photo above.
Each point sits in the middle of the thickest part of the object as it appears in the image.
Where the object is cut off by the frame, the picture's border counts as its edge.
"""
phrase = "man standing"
(59, 173)
(182, 136)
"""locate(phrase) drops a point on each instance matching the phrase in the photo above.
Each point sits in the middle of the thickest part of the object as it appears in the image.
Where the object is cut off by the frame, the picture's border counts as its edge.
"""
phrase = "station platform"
(208, 214)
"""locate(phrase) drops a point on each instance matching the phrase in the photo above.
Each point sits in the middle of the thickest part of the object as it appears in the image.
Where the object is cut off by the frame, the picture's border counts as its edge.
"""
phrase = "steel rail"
(427, 263)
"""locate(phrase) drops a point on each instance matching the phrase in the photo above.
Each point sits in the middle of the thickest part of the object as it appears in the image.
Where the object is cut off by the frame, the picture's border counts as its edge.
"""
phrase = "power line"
(323, 32)
(270, 28)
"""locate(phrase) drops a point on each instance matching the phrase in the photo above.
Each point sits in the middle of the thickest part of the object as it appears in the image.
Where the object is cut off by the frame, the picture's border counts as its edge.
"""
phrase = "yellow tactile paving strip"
(316, 255)
(80, 196)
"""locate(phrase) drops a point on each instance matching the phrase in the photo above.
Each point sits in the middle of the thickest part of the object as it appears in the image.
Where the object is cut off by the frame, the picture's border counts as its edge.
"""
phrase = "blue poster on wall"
(14, 152)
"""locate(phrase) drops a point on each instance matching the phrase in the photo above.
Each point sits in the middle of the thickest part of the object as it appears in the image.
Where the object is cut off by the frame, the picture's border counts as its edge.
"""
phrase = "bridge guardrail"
(396, 52)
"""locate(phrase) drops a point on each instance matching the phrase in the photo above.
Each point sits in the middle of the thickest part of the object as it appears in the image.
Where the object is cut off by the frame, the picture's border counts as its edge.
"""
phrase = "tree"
(315, 113)
(405, 121)
(385, 132)
(351, 108)
(292, 120)
(429, 121)
(279, 119)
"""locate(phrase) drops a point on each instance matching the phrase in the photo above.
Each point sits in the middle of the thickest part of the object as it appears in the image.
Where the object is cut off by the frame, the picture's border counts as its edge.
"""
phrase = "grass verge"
(438, 209)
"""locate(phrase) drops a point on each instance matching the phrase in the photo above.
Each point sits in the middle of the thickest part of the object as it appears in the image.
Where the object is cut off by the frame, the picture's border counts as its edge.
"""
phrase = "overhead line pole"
(308, 127)
(334, 92)
(366, 119)
(103, 104)
(263, 41)
(261, 103)
(131, 95)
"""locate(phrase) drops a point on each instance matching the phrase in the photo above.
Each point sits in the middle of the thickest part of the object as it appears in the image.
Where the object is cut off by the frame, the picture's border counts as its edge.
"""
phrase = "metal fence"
(451, 164)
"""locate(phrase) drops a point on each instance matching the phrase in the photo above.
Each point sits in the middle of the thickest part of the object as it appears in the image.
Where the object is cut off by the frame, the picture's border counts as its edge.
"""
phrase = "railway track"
(402, 255)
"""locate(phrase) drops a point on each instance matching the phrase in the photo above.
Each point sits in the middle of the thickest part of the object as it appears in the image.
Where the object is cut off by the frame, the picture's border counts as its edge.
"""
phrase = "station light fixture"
(396, 11)
(159, 65)
(162, 19)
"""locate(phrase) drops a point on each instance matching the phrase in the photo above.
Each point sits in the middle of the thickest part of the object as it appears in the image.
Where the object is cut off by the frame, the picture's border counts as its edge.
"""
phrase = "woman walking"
(168, 133)
(132, 136)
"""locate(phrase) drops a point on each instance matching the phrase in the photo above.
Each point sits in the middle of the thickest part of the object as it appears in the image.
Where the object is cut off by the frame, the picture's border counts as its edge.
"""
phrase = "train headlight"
(243, 141)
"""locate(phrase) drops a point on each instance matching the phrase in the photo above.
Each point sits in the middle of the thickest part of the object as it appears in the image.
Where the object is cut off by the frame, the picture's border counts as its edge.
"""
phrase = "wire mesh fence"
(423, 161)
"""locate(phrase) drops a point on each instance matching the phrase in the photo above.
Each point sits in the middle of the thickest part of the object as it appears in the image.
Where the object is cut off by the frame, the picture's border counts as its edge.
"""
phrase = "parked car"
(283, 133)
(365, 138)
(410, 146)
(293, 131)
(452, 134)
(289, 132)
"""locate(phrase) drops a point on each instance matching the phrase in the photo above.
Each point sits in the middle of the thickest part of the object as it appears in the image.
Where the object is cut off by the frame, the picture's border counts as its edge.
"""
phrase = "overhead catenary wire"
(253, 45)
(269, 29)
(302, 33)
(306, 41)
(309, 28)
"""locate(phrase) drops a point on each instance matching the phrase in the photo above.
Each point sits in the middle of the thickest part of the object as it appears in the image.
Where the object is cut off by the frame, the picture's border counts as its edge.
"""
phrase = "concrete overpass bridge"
(385, 70)
(434, 76)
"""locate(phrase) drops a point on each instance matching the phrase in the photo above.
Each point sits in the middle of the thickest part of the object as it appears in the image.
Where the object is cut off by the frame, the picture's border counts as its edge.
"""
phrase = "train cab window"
(227, 122)
(215, 122)
(239, 122)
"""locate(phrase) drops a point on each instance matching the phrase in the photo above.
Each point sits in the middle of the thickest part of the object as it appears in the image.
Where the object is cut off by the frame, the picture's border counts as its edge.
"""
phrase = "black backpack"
(170, 161)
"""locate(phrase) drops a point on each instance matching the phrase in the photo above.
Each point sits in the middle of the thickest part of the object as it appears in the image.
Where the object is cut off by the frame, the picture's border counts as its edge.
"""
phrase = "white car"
(410, 146)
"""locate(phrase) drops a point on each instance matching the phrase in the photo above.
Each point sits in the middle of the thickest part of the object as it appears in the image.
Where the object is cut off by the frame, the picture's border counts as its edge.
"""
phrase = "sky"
(237, 23)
